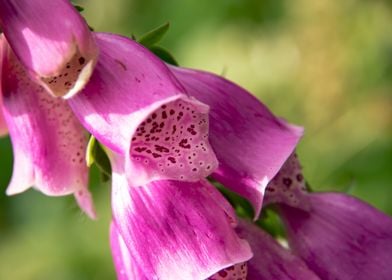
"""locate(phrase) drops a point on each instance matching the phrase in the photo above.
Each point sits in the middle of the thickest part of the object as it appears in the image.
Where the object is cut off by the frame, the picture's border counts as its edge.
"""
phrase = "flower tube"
(135, 106)
(47, 140)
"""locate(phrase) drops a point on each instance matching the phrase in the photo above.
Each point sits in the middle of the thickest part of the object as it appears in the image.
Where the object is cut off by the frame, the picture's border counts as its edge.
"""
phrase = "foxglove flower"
(52, 41)
(135, 106)
(172, 229)
(41, 53)
(338, 236)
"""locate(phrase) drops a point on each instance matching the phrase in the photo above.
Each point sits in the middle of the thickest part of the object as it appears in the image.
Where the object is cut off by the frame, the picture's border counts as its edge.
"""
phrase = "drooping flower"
(46, 47)
(52, 41)
(47, 140)
(338, 236)
(172, 229)
(134, 106)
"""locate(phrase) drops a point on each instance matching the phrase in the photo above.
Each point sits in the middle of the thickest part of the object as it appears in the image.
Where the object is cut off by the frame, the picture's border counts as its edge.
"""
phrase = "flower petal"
(288, 186)
(52, 41)
(341, 237)
(251, 144)
(175, 230)
(126, 269)
(48, 142)
(134, 106)
(3, 125)
(271, 260)
(237, 271)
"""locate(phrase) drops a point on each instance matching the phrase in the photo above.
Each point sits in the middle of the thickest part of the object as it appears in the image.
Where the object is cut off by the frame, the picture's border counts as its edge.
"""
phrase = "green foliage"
(242, 207)
(164, 54)
(79, 8)
(154, 36)
(95, 154)
(270, 221)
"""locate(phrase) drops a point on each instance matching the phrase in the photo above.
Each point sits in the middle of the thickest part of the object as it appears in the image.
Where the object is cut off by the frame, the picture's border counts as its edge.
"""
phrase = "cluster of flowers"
(166, 130)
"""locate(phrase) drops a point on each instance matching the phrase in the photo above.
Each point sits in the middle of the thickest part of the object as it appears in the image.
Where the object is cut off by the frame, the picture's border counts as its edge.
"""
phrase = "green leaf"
(164, 54)
(90, 151)
(270, 221)
(154, 36)
(95, 154)
(240, 204)
(79, 8)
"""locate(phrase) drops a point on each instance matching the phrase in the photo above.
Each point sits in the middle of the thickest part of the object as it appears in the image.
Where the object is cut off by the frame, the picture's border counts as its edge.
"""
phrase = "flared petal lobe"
(341, 237)
(288, 186)
(251, 144)
(48, 142)
(175, 230)
(52, 41)
(271, 260)
(135, 107)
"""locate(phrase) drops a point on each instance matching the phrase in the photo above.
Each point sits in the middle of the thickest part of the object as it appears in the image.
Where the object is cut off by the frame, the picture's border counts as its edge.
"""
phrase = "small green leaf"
(154, 36)
(95, 154)
(164, 55)
(270, 221)
(79, 8)
(90, 151)
(102, 161)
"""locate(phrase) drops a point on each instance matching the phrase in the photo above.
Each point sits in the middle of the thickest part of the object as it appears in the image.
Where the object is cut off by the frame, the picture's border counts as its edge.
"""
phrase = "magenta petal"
(52, 41)
(251, 144)
(134, 106)
(288, 186)
(341, 237)
(126, 268)
(48, 142)
(175, 230)
(271, 260)
(3, 125)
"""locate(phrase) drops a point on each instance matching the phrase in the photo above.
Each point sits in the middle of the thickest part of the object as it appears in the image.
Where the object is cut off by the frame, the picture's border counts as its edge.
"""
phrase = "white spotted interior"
(288, 185)
(66, 79)
(238, 271)
(172, 143)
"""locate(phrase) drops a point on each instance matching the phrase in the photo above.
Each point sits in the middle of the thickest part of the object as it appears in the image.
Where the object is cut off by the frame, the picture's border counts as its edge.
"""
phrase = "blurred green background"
(326, 65)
